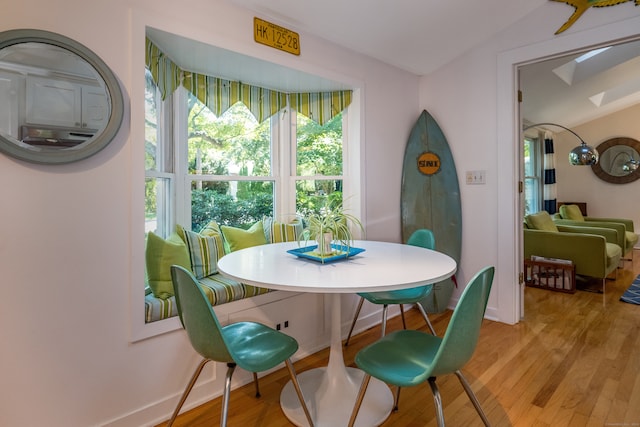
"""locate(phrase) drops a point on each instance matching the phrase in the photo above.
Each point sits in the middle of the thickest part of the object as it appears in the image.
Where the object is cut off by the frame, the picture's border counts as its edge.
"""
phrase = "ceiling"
(420, 37)
(577, 88)
(416, 36)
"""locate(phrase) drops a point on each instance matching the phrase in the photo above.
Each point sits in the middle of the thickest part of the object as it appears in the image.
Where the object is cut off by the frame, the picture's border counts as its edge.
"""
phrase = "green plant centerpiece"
(330, 224)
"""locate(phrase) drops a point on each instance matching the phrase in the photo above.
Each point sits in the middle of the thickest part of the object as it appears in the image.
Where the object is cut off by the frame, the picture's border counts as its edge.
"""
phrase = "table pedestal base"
(331, 401)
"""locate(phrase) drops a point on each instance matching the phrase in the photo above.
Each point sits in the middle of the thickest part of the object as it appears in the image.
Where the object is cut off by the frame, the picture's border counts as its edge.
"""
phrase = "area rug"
(632, 295)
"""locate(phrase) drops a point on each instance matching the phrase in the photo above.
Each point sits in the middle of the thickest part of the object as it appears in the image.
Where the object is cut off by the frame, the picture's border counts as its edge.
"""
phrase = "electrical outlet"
(286, 323)
(476, 177)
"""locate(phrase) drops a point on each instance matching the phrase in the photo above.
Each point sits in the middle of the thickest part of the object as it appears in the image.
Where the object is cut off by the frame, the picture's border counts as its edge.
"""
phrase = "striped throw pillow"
(277, 232)
(204, 251)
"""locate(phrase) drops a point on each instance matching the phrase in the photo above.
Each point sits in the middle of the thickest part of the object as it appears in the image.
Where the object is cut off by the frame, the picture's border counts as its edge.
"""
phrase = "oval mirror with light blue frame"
(59, 102)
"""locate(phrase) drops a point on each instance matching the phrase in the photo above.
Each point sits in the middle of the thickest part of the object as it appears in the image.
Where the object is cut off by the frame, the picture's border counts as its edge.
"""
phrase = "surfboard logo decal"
(428, 163)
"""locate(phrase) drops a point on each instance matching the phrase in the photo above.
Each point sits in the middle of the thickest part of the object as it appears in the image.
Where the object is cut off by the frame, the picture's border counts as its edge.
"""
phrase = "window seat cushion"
(201, 252)
(217, 288)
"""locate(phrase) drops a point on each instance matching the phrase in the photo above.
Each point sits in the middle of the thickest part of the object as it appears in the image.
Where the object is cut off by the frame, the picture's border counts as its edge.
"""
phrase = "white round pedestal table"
(331, 391)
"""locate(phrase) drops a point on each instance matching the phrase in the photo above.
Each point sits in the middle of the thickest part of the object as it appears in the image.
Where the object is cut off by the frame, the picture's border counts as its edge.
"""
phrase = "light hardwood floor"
(574, 360)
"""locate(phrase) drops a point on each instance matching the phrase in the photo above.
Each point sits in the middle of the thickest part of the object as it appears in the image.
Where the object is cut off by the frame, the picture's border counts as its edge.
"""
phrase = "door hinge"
(520, 186)
(521, 278)
(519, 96)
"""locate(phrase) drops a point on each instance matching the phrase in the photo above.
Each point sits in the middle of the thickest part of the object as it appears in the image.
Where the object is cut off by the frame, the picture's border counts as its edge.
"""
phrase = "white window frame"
(353, 191)
(537, 157)
(283, 164)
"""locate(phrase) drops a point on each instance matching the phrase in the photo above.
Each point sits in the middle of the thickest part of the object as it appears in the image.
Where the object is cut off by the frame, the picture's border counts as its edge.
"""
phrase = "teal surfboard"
(430, 198)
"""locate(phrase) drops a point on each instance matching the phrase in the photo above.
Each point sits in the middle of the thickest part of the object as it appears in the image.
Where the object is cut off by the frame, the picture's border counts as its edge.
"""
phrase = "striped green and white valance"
(320, 106)
(165, 72)
(220, 94)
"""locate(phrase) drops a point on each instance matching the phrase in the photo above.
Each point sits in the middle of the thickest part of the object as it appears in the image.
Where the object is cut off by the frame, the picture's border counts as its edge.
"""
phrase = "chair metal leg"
(426, 318)
(437, 400)
(385, 308)
(296, 385)
(356, 408)
(404, 322)
(355, 318)
(255, 381)
(396, 399)
(226, 394)
(187, 390)
(473, 398)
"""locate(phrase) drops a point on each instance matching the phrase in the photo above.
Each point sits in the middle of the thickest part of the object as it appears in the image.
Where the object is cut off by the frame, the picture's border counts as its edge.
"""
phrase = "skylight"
(567, 71)
(591, 54)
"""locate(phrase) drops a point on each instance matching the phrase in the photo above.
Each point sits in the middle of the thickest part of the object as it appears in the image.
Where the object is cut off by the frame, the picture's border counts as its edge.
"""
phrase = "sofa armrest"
(628, 223)
(618, 227)
(587, 251)
(611, 235)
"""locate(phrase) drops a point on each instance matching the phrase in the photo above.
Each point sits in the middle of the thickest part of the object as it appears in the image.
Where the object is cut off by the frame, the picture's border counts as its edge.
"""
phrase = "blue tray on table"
(340, 252)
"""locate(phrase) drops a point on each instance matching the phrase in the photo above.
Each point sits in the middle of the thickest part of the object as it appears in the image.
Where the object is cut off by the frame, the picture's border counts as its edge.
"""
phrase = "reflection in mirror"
(60, 102)
(619, 160)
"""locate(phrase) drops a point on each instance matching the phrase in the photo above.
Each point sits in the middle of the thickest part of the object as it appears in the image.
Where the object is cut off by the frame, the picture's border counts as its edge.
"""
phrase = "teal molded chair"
(408, 357)
(249, 345)
(423, 238)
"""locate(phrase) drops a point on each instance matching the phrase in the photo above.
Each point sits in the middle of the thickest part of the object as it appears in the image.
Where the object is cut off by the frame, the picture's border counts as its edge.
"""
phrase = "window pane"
(319, 148)
(152, 128)
(532, 176)
(236, 203)
(234, 143)
(531, 196)
(313, 195)
(157, 208)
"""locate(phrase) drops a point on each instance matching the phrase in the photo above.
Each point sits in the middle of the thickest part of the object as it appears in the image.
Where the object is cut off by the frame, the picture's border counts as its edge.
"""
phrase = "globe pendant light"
(582, 155)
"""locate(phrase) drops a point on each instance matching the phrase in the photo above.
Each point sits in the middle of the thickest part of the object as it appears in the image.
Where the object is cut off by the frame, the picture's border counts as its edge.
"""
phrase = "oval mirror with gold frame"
(619, 160)
(59, 102)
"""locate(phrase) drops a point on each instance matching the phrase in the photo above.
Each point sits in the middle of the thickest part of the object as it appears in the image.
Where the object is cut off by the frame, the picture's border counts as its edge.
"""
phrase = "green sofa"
(593, 250)
(627, 238)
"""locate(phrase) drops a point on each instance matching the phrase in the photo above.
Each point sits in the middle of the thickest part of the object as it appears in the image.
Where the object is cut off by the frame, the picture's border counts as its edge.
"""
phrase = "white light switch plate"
(476, 177)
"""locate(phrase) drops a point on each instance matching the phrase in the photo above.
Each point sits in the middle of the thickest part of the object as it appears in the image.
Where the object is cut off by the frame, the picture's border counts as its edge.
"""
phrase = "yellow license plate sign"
(276, 36)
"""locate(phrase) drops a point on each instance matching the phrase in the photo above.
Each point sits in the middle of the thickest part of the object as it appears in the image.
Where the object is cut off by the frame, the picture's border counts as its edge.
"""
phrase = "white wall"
(71, 236)
(580, 184)
(474, 100)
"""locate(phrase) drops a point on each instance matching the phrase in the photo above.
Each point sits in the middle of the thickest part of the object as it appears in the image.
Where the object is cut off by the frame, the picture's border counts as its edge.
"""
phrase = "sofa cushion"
(217, 288)
(157, 308)
(277, 232)
(614, 253)
(204, 251)
(541, 221)
(237, 238)
(220, 289)
(571, 212)
(160, 255)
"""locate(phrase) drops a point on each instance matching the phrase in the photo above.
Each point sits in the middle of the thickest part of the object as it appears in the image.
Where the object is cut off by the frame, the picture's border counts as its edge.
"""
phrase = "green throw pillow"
(204, 251)
(237, 238)
(571, 212)
(277, 232)
(541, 221)
(211, 229)
(160, 255)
